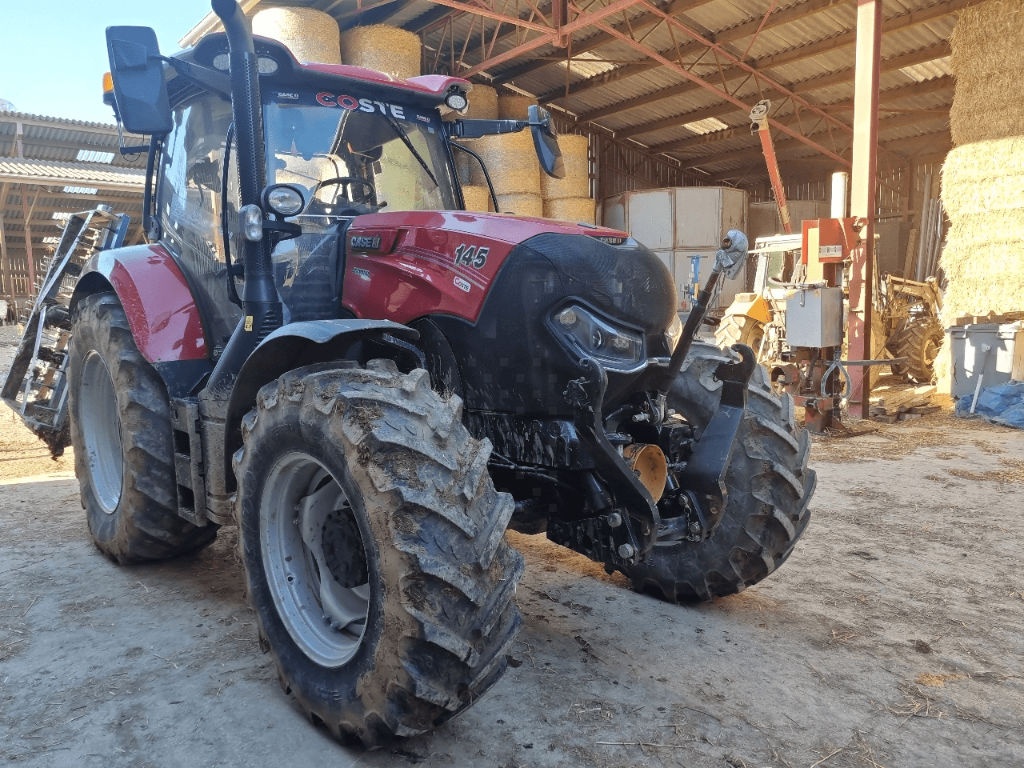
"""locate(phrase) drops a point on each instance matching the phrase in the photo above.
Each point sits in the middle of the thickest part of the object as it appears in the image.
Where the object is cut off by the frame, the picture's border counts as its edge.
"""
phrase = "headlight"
(673, 333)
(617, 348)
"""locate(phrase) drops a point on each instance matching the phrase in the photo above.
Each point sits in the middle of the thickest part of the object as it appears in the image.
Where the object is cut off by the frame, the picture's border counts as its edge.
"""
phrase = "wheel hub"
(315, 560)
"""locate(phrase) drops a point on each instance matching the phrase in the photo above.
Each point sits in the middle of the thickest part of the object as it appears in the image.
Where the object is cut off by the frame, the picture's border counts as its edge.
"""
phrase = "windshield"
(353, 156)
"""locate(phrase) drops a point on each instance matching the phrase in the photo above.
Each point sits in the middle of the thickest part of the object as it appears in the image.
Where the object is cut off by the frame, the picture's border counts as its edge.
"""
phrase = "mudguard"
(157, 301)
(304, 343)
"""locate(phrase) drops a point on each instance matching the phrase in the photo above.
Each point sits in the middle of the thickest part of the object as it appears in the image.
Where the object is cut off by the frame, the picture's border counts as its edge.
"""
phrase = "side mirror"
(545, 141)
(140, 92)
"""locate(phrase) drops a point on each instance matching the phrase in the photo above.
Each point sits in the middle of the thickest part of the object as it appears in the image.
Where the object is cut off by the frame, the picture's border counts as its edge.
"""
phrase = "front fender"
(156, 298)
(298, 344)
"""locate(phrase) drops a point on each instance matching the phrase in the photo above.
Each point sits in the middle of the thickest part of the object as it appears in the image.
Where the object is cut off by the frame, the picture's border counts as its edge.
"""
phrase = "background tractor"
(319, 344)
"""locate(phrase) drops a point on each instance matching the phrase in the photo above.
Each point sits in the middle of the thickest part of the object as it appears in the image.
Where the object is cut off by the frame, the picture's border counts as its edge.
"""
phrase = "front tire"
(769, 487)
(739, 329)
(123, 442)
(374, 550)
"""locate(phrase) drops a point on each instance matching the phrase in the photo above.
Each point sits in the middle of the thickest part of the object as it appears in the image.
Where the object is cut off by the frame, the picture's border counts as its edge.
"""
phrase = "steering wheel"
(343, 182)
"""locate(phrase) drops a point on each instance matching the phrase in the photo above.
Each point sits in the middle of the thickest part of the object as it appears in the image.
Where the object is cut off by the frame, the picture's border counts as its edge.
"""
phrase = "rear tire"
(374, 550)
(768, 483)
(122, 438)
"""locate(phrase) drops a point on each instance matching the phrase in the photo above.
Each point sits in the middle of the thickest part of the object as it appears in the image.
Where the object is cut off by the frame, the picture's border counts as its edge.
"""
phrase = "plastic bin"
(984, 349)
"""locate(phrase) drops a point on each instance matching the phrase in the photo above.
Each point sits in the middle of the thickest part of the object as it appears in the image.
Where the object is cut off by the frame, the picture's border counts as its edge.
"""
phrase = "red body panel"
(157, 301)
(404, 265)
(434, 85)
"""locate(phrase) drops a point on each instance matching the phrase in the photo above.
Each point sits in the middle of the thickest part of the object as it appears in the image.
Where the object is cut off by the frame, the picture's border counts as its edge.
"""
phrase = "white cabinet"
(679, 223)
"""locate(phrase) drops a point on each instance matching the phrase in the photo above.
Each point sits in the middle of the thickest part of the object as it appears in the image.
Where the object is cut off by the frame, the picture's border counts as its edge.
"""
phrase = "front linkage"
(625, 519)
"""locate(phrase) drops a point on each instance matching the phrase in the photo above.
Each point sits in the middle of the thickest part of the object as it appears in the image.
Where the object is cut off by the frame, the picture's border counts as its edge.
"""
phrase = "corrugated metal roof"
(41, 175)
(74, 174)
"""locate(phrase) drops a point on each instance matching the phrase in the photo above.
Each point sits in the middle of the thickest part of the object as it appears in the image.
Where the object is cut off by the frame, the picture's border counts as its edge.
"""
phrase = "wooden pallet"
(894, 402)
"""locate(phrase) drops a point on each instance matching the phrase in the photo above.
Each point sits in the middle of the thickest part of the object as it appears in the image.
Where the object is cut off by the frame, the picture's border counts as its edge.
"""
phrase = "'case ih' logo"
(365, 242)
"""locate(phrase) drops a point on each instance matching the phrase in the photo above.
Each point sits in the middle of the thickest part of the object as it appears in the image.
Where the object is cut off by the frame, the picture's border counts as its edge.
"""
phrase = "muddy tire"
(374, 550)
(123, 442)
(918, 339)
(769, 487)
(739, 329)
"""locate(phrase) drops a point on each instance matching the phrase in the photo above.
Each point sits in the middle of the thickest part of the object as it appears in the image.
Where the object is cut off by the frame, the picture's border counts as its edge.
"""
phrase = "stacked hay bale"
(983, 177)
(483, 105)
(568, 198)
(512, 163)
(477, 198)
(394, 51)
(513, 106)
(510, 158)
(309, 34)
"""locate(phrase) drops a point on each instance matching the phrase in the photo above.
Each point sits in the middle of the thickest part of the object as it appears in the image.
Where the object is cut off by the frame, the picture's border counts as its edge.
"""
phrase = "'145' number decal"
(471, 255)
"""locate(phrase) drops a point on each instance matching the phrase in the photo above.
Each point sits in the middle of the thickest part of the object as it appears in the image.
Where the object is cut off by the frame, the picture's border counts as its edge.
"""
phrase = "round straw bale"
(987, 59)
(477, 198)
(576, 182)
(394, 51)
(511, 161)
(309, 34)
(483, 103)
(521, 204)
(514, 106)
(464, 163)
(574, 209)
(984, 176)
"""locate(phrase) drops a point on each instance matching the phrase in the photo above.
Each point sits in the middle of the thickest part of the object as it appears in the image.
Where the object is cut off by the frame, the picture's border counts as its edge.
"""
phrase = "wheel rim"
(101, 432)
(315, 560)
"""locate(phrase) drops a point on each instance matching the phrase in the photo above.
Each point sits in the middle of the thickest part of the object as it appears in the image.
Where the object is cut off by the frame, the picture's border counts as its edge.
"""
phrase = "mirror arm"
(475, 129)
(210, 79)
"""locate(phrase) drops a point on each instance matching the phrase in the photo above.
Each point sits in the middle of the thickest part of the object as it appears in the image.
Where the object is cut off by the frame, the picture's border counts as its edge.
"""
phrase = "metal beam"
(720, 110)
(708, 140)
(726, 96)
(903, 21)
(585, 19)
(638, 24)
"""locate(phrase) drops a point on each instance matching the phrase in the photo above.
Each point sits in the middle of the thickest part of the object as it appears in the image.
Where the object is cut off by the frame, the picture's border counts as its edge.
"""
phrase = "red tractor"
(320, 345)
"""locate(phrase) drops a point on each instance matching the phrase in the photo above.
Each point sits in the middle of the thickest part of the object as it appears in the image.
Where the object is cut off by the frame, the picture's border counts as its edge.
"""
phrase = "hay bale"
(987, 61)
(576, 183)
(511, 161)
(477, 198)
(309, 34)
(983, 192)
(394, 51)
(483, 103)
(464, 163)
(572, 209)
(514, 106)
(984, 176)
(522, 204)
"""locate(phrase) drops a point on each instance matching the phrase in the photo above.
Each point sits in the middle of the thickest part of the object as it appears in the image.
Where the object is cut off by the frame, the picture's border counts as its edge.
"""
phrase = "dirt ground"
(894, 636)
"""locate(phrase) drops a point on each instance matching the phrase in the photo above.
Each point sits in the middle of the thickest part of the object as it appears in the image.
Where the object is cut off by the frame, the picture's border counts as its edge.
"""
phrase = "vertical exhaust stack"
(261, 305)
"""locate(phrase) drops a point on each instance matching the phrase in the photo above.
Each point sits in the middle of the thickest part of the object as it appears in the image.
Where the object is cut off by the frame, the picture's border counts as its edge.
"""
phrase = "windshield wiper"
(400, 133)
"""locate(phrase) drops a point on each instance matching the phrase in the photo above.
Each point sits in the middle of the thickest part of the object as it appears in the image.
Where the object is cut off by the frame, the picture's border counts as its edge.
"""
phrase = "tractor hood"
(452, 259)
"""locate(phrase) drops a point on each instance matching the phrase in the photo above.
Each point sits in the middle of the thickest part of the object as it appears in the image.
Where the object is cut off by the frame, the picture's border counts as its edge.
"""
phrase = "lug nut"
(614, 520)
(626, 551)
